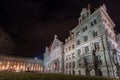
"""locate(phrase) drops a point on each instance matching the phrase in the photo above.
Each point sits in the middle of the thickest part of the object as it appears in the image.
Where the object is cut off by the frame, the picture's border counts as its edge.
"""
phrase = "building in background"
(20, 64)
(91, 48)
(53, 57)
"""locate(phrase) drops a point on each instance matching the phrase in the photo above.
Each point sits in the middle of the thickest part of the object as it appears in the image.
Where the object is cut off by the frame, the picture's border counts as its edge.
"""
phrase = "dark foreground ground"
(43, 76)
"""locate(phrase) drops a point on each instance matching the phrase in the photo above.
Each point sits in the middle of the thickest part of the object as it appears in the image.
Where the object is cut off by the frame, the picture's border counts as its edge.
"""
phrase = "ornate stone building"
(53, 57)
(91, 48)
(118, 40)
(19, 64)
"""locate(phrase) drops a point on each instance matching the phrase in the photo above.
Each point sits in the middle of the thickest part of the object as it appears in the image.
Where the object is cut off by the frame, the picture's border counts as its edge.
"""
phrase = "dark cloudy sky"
(32, 24)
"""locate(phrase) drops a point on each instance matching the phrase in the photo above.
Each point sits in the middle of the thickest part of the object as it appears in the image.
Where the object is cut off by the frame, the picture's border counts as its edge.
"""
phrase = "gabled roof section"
(104, 10)
(84, 12)
(56, 43)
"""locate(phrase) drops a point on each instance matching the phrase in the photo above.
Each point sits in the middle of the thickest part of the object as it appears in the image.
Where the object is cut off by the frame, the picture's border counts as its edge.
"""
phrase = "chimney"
(89, 9)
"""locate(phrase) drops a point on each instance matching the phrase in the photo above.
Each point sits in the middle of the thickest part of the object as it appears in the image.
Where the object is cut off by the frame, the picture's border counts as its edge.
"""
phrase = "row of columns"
(18, 66)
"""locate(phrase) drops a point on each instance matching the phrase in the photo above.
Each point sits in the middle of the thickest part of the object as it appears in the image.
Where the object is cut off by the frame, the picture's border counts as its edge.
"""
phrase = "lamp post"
(36, 63)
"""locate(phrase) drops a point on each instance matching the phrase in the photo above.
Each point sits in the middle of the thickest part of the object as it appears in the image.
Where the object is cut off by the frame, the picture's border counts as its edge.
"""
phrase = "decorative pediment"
(56, 43)
(83, 12)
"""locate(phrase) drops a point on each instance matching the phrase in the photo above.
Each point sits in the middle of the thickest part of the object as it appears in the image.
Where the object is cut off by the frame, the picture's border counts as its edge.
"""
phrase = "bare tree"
(6, 43)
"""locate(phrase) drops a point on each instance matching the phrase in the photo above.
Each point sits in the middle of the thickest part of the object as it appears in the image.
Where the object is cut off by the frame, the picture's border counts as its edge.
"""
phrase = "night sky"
(32, 24)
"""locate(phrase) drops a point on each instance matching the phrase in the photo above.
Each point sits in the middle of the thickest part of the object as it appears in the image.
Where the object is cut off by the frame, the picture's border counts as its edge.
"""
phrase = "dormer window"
(83, 17)
(78, 33)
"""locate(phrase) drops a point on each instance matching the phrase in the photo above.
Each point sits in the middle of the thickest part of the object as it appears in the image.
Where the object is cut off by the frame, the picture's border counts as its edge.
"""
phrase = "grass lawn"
(43, 76)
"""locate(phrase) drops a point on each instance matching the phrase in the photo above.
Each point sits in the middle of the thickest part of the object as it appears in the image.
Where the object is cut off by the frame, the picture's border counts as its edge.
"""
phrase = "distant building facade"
(53, 57)
(19, 64)
(91, 48)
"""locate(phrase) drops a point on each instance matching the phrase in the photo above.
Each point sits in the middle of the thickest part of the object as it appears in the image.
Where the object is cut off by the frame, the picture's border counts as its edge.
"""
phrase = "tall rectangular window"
(78, 42)
(91, 23)
(73, 46)
(95, 33)
(85, 38)
(79, 52)
(86, 49)
(73, 64)
(69, 64)
(84, 28)
(73, 55)
(95, 22)
(96, 45)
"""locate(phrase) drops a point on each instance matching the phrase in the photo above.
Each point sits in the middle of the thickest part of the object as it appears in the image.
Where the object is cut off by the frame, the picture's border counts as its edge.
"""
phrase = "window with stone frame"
(79, 71)
(78, 52)
(78, 42)
(85, 38)
(66, 65)
(79, 62)
(95, 33)
(96, 46)
(66, 57)
(73, 55)
(84, 28)
(73, 46)
(69, 48)
(95, 21)
(69, 64)
(73, 64)
(86, 49)
(66, 49)
(91, 23)
(69, 56)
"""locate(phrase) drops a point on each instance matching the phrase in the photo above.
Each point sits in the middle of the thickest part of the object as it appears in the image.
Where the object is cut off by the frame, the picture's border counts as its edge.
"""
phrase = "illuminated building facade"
(91, 48)
(17, 64)
(118, 40)
(94, 41)
(53, 57)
